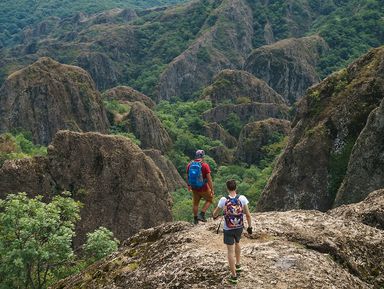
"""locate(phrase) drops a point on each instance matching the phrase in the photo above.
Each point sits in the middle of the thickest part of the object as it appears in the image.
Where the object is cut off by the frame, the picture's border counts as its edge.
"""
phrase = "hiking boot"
(232, 279)
(195, 220)
(201, 217)
(239, 269)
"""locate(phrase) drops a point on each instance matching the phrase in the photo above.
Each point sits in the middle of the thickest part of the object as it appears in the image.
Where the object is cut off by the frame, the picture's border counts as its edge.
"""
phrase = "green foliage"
(233, 124)
(16, 15)
(338, 165)
(120, 129)
(17, 146)
(35, 239)
(100, 243)
(115, 106)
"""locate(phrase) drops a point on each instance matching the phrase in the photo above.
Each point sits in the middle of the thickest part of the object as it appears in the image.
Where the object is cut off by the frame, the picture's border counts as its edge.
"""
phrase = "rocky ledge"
(294, 249)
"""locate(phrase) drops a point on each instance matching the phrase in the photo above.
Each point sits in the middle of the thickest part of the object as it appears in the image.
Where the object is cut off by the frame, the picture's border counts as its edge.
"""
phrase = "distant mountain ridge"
(174, 52)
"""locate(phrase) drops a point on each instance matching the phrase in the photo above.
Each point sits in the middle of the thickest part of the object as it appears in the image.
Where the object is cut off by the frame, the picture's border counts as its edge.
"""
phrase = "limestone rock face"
(48, 96)
(246, 112)
(126, 93)
(217, 132)
(101, 68)
(221, 154)
(147, 127)
(296, 249)
(121, 188)
(255, 135)
(237, 86)
(223, 45)
(329, 120)
(288, 66)
(365, 171)
(369, 212)
(172, 177)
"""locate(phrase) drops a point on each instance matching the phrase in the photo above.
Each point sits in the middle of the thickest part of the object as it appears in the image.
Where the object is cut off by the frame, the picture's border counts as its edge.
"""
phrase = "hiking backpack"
(195, 175)
(233, 213)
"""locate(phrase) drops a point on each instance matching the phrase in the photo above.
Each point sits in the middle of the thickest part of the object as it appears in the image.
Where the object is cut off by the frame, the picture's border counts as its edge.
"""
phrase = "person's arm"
(249, 219)
(210, 183)
(215, 213)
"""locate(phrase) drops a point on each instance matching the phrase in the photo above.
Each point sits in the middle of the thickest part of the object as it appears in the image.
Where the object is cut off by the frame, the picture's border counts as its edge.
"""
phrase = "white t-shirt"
(244, 201)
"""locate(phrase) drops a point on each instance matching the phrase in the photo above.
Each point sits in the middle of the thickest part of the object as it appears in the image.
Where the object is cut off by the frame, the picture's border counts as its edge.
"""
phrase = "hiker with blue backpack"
(199, 180)
(234, 206)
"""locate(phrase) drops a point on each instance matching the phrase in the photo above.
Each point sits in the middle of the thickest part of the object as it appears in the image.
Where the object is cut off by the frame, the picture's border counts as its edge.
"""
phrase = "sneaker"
(195, 220)
(201, 217)
(232, 279)
(239, 269)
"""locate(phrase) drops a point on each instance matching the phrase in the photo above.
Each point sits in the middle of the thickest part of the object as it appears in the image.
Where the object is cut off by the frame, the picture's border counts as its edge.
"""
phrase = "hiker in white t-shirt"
(234, 207)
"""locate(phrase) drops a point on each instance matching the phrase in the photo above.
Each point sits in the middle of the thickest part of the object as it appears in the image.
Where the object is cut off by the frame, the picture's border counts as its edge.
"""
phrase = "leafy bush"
(100, 243)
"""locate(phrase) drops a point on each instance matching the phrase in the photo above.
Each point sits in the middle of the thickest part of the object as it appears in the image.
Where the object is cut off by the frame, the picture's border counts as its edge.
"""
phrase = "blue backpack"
(195, 175)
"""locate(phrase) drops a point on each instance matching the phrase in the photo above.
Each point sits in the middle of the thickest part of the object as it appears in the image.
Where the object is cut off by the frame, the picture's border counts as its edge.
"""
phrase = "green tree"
(35, 239)
(100, 243)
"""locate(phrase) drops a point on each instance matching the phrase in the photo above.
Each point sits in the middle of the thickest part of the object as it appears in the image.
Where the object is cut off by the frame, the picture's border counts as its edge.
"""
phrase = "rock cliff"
(329, 120)
(121, 188)
(256, 135)
(225, 44)
(126, 93)
(217, 132)
(246, 112)
(296, 249)
(173, 179)
(48, 96)
(147, 127)
(288, 66)
(237, 86)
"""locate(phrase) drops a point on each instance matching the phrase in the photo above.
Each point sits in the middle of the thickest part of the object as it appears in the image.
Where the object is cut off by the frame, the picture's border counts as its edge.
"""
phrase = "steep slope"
(223, 45)
(237, 86)
(128, 94)
(121, 188)
(48, 96)
(288, 66)
(330, 118)
(296, 249)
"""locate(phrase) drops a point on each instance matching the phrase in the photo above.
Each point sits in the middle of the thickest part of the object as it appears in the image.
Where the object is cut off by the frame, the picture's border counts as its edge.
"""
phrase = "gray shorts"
(230, 236)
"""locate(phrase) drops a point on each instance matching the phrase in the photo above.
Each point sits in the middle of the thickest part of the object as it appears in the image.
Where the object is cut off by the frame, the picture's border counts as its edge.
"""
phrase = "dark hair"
(231, 185)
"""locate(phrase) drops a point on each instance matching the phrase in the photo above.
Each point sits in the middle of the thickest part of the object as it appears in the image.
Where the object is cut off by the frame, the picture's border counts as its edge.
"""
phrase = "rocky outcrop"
(121, 188)
(296, 249)
(256, 135)
(246, 112)
(329, 120)
(223, 45)
(128, 94)
(101, 68)
(147, 127)
(365, 171)
(237, 86)
(172, 177)
(48, 96)
(221, 154)
(217, 132)
(288, 66)
(369, 212)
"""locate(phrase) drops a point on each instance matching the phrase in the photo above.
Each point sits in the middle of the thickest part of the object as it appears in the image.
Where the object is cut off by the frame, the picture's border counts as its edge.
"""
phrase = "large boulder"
(121, 188)
(128, 94)
(329, 120)
(48, 96)
(147, 127)
(256, 135)
(237, 86)
(288, 66)
(296, 249)
(173, 179)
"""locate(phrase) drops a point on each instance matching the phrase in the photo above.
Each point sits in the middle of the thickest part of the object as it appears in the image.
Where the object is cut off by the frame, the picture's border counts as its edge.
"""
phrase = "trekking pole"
(217, 231)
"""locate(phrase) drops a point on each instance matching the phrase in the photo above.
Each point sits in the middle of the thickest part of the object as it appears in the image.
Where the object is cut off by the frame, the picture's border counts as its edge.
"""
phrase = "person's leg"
(195, 206)
(237, 253)
(231, 259)
(208, 200)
